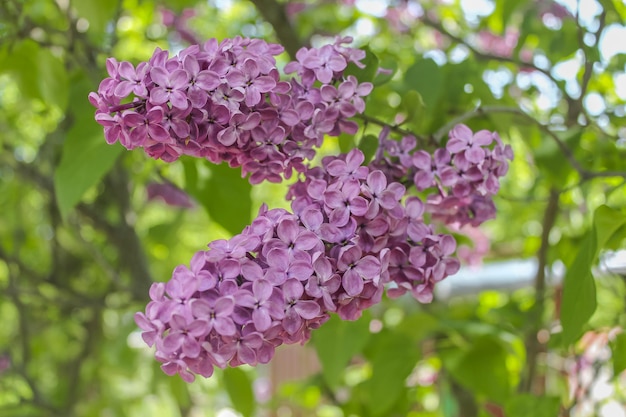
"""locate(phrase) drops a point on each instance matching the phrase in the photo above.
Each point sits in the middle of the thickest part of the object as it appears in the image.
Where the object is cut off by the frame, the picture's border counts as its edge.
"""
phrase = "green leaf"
(239, 390)
(549, 157)
(618, 348)
(413, 104)
(345, 142)
(367, 73)
(180, 391)
(482, 368)
(40, 74)
(84, 162)
(615, 11)
(426, 77)
(97, 12)
(336, 342)
(52, 79)
(224, 195)
(525, 405)
(606, 222)
(391, 65)
(228, 198)
(368, 145)
(579, 289)
(393, 356)
(86, 157)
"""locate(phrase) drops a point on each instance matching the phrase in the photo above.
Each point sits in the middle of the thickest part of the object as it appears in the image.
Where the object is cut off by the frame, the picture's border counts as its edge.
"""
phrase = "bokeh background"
(531, 326)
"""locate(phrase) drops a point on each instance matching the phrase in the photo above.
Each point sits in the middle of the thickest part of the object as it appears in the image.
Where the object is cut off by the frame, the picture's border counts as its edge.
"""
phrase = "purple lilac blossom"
(459, 180)
(225, 102)
(286, 272)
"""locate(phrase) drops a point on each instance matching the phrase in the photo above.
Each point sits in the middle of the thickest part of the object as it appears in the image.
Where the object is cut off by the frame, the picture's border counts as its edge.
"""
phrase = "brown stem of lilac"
(127, 106)
(92, 342)
(533, 346)
(274, 13)
(394, 128)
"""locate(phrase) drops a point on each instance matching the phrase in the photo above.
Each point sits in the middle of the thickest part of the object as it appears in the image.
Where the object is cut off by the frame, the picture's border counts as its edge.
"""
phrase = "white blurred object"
(614, 262)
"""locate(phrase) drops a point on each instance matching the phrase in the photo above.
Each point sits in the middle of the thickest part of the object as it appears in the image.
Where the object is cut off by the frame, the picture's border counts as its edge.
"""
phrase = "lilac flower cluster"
(225, 102)
(462, 177)
(373, 237)
(238, 300)
(348, 236)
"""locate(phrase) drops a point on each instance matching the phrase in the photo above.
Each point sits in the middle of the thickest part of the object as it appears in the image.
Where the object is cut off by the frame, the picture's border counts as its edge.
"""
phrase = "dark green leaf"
(391, 66)
(367, 73)
(336, 342)
(97, 12)
(84, 162)
(579, 290)
(413, 104)
(239, 390)
(618, 348)
(606, 222)
(86, 156)
(393, 356)
(482, 368)
(549, 157)
(346, 142)
(180, 391)
(224, 195)
(526, 405)
(368, 145)
(426, 77)
(40, 74)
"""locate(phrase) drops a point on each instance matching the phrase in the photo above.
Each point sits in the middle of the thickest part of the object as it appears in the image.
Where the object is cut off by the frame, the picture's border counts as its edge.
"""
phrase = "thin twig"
(393, 128)
(24, 337)
(482, 55)
(533, 345)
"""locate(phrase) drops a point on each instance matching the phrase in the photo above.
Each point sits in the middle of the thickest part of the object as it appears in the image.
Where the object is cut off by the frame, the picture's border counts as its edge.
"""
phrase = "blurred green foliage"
(80, 242)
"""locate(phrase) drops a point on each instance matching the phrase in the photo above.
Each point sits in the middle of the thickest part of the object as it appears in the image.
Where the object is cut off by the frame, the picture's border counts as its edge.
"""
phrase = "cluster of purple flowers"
(239, 300)
(352, 232)
(349, 236)
(462, 177)
(226, 102)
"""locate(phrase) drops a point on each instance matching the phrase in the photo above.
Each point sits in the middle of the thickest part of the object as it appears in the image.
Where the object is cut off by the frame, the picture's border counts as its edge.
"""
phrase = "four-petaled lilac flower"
(184, 335)
(297, 309)
(265, 308)
(357, 269)
(345, 202)
(217, 314)
(324, 283)
(324, 62)
(463, 140)
(239, 129)
(148, 126)
(249, 78)
(132, 80)
(170, 88)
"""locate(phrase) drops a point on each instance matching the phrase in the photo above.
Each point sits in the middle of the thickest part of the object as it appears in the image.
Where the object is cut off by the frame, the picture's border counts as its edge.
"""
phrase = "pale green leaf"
(392, 356)
(337, 342)
(579, 290)
(239, 388)
(526, 405)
